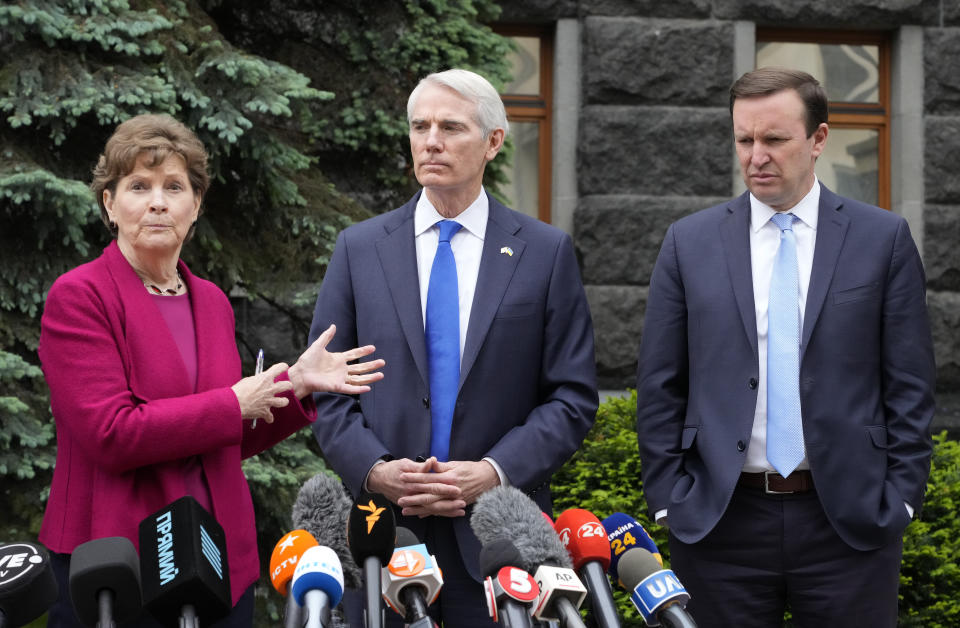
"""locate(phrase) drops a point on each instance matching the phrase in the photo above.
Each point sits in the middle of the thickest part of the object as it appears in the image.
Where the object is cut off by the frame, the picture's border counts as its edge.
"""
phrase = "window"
(854, 68)
(528, 102)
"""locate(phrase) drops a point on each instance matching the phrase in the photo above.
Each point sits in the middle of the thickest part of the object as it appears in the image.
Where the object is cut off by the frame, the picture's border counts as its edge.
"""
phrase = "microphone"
(624, 533)
(371, 530)
(105, 582)
(322, 508)
(586, 540)
(27, 584)
(510, 591)
(506, 512)
(183, 565)
(283, 562)
(318, 584)
(411, 580)
(655, 591)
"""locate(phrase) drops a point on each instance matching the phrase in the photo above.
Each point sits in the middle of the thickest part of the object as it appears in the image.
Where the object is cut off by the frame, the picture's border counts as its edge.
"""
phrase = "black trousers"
(61, 614)
(773, 552)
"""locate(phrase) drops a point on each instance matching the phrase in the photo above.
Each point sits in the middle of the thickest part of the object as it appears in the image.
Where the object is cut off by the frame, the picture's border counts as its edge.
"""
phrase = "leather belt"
(773, 483)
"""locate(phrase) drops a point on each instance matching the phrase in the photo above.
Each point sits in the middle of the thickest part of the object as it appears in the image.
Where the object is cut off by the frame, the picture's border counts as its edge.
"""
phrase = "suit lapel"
(496, 271)
(398, 259)
(735, 237)
(831, 229)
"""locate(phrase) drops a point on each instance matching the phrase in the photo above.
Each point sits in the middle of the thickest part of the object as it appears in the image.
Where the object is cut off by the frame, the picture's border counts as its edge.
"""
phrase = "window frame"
(847, 115)
(536, 108)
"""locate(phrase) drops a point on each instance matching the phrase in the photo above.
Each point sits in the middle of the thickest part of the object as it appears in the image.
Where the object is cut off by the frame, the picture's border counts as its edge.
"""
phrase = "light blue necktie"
(443, 341)
(784, 426)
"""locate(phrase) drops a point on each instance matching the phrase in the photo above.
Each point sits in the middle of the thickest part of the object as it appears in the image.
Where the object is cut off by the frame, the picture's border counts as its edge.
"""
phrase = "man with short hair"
(481, 317)
(785, 384)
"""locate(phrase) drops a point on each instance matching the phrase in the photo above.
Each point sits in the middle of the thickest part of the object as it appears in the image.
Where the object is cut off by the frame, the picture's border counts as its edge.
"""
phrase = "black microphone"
(105, 582)
(371, 530)
(506, 512)
(322, 508)
(655, 591)
(183, 565)
(411, 580)
(27, 584)
(510, 591)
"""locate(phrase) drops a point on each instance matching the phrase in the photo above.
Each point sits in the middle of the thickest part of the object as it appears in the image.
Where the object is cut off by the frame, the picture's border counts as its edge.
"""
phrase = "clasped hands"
(443, 489)
(316, 370)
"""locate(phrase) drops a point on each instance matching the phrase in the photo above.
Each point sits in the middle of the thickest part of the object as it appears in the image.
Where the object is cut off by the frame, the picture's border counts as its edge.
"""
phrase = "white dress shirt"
(467, 246)
(764, 242)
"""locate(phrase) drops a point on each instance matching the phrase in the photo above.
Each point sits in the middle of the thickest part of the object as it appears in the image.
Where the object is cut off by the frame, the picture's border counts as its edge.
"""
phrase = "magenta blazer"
(126, 415)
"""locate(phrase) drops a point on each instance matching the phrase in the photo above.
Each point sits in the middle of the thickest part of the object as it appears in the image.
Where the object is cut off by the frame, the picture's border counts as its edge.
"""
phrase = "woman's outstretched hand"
(318, 370)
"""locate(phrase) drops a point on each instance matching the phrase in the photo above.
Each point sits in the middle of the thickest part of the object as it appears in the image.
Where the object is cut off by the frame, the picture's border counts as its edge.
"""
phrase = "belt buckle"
(766, 485)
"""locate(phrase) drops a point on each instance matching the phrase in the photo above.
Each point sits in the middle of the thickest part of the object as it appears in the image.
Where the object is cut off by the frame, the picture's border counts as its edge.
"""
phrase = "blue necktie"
(784, 426)
(443, 341)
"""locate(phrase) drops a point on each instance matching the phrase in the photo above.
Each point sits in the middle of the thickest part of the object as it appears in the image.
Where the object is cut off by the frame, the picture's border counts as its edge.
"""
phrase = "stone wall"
(654, 144)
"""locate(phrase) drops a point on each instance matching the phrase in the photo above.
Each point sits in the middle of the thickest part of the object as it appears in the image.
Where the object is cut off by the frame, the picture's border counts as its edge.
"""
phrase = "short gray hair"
(490, 112)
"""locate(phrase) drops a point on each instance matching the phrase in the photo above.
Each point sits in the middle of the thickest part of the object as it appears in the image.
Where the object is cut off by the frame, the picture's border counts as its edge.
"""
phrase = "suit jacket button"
(740, 445)
(753, 383)
(426, 402)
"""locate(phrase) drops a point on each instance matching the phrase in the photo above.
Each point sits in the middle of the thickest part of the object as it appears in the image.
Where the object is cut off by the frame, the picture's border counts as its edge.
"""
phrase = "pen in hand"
(256, 371)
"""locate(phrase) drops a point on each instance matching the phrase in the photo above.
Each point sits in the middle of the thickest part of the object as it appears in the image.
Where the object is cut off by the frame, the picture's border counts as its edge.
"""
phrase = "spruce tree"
(287, 96)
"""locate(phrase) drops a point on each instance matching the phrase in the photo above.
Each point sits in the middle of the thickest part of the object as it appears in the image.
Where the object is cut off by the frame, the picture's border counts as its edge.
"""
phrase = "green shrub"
(930, 575)
(604, 477)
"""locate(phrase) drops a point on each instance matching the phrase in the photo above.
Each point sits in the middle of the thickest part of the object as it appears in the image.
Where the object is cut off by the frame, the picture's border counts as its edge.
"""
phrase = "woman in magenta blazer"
(144, 374)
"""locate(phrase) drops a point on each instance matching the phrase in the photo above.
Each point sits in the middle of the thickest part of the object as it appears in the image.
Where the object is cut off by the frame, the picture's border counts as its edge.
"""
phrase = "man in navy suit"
(786, 469)
(525, 395)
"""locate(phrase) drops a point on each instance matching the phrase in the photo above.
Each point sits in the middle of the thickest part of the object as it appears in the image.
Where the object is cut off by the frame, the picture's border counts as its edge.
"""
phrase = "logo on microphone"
(518, 584)
(17, 560)
(407, 563)
(591, 529)
(168, 570)
(374, 515)
(656, 590)
(287, 542)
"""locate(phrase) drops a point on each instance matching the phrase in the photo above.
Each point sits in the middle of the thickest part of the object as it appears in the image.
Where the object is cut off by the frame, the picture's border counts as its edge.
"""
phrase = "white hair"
(490, 113)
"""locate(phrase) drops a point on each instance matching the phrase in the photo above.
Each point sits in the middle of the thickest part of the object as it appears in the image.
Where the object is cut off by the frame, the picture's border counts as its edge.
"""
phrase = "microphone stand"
(372, 606)
(188, 617)
(105, 604)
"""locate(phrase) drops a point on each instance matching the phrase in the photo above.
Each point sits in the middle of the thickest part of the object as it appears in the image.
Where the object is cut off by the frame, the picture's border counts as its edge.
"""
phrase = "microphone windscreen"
(322, 508)
(506, 512)
(584, 537)
(371, 528)
(623, 534)
(635, 565)
(405, 538)
(286, 553)
(498, 554)
(109, 563)
(27, 584)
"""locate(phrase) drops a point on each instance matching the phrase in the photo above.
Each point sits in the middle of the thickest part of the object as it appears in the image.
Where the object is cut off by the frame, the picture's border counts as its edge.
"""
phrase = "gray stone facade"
(654, 144)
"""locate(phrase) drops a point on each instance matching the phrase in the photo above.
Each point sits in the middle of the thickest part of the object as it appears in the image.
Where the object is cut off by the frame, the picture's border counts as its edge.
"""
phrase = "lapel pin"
(507, 250)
